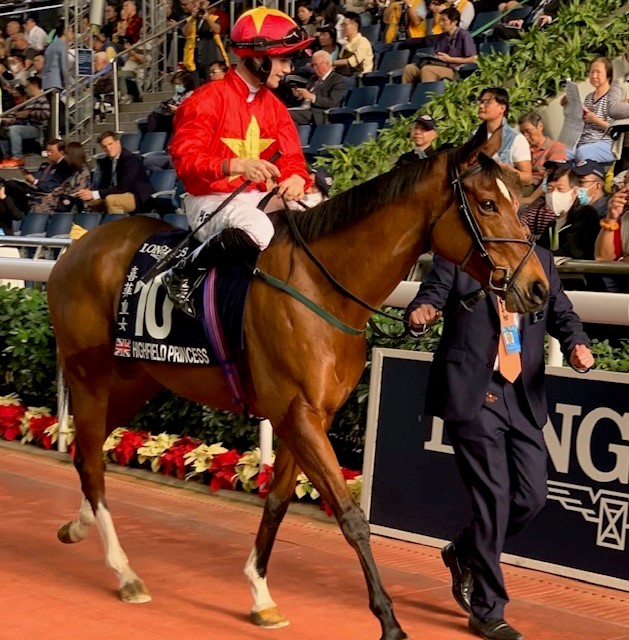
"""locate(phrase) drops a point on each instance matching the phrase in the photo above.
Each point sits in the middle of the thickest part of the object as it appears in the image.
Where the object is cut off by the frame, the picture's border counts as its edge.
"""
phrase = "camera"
(292, 85)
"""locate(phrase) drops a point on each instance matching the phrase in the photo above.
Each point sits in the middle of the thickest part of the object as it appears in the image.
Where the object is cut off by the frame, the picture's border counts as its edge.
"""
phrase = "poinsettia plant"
(181, 456)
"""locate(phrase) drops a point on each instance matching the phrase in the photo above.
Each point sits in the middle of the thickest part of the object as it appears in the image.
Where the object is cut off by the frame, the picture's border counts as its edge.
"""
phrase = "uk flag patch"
(122, 347)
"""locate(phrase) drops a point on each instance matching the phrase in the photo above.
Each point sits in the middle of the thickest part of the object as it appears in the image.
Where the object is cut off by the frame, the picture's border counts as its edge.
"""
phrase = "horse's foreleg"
(78, 530)
(304, 431)
(265, 612)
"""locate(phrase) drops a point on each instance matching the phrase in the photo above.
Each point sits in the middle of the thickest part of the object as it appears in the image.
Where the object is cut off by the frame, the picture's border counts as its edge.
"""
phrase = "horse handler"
(225, 134)
(487, 383)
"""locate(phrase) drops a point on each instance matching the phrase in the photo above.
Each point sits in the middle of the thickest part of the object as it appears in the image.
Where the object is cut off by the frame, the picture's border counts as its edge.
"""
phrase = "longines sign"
(412, 490)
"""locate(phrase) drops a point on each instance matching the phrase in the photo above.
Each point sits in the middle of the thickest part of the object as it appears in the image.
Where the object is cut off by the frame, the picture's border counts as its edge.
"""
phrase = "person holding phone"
(612, 242)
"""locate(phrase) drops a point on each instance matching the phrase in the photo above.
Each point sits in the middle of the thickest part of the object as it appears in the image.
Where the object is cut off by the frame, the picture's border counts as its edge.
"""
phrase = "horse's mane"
(361, 201)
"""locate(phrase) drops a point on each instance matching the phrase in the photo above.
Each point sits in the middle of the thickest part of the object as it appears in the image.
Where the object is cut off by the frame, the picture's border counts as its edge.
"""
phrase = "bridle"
(479, 240)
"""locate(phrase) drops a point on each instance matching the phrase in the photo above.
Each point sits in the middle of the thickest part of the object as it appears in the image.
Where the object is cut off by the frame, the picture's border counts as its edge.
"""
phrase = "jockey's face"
(279, 68)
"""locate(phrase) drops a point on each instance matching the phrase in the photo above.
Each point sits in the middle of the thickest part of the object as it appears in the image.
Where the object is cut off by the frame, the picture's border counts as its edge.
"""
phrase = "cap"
(589, 167)
(322, 179)
(427, 122)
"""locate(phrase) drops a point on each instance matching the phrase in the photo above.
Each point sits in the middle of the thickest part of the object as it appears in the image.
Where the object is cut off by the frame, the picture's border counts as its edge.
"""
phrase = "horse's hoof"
(63, 533)
(135, 592)
(269, 618)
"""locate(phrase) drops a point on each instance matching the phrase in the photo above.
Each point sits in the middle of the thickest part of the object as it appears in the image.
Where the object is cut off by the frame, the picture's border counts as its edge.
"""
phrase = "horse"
(296, 368)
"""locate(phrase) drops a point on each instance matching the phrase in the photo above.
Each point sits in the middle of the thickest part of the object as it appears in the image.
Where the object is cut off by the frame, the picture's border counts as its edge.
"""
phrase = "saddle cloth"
(148, 327)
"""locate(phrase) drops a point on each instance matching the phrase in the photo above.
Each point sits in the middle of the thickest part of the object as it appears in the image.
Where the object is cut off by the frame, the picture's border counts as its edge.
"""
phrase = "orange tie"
(509, 364)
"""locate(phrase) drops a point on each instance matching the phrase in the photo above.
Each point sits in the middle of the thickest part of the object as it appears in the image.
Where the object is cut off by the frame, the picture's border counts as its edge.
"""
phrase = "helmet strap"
(259, 67)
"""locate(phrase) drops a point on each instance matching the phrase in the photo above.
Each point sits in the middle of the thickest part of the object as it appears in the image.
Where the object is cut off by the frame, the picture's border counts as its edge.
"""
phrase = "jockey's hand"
(254, 170)
(292, 188)
(425, 314)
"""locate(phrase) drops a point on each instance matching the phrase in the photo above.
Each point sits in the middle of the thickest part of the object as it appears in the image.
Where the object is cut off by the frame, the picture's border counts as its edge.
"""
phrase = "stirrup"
(179, 290)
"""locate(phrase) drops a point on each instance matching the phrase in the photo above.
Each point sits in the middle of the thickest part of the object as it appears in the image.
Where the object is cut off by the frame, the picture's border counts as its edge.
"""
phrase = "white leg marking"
(81, 527)
(261, 596)
(114, 555)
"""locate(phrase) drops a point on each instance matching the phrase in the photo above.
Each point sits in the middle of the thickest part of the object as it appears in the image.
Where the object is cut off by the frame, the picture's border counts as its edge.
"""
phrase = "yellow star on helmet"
(252, 145)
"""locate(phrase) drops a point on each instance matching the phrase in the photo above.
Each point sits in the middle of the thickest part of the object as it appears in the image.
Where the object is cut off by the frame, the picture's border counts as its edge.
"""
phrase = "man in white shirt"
(356, 56)
(35, 35)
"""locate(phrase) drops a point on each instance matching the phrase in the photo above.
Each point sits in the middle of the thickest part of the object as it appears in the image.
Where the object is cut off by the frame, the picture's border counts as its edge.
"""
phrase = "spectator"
(326, 89)
(12, 28)
(55, 73)
(493, 108)
(423, 134)
(161, 118)
(17, 67)
(306, 19)
(209, 46)
(111, 20)
(357, 6)
(543, 150)
(612, 242)
(464, 7)
(38, 66)
(49, 176)
(326, 37)
(319, 191)
(563, 224)
(591, 176)
(8, 211)
(133, 22)
(21, 47)
(356, 56)
(599, 108)
(189, 32)
(131, 74)
(35, 35)
(61, 198)
(26, 124)
(544, 13)
(453, 47)
(123, 186)
(217, 71)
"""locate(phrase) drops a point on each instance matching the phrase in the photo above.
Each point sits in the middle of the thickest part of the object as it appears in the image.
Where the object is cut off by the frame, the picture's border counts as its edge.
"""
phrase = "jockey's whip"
(164, 262)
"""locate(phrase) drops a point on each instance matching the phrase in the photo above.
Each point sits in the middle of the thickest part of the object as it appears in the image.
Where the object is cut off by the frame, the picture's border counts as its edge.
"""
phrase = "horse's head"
(481, 231)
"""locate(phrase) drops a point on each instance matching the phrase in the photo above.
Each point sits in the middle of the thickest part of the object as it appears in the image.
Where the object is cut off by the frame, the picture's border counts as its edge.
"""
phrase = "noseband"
(479, 240)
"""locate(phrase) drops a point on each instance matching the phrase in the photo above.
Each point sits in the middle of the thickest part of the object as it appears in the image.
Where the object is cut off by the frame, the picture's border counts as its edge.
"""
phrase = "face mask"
(179, 88)
(559, 202)
(583, 196)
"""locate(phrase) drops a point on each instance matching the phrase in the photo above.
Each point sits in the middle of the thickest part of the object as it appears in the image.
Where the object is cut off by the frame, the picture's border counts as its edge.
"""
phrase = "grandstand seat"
(380, 48)
(324, 135)
(358, 97)
(111, 217)
(391, 94)
(157, 160)
(304, 131)
(59, 225)
(153, 141)
(420, 96)
(150, 214)
(16, 224)
(371, 32)
(365, 20)
(481, 20)
(405, 110)
(34, 224)
(177, 220)
(359, 132)
(130, 141)
(87, 220)
(390, 68)
(163, 182)
(494, 47)
(142, 125)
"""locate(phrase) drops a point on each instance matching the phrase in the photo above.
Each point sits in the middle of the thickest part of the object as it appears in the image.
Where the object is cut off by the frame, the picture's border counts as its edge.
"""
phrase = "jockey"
(225, 133)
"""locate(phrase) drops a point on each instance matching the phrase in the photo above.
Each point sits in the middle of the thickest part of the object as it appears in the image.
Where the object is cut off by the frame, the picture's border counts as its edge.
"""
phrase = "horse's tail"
(63, 410)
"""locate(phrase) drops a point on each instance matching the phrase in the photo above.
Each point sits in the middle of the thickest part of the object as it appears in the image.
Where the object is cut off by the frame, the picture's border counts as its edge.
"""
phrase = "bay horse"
(297, 369)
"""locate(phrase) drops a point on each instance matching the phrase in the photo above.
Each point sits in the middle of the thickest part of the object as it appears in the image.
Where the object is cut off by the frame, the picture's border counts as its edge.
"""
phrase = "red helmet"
(267, 32)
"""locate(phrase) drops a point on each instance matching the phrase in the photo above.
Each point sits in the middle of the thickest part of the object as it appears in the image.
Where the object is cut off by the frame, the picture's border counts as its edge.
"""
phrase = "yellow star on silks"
(252, 145)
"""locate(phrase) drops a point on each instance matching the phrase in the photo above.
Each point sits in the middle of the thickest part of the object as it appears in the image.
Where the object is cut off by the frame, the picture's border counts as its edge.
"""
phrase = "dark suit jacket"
(329, 94)
(130, 178)
(464, 361)
(57, 175)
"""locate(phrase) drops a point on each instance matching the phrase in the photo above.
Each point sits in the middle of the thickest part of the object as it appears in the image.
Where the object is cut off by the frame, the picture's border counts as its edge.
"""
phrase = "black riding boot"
(230, 246)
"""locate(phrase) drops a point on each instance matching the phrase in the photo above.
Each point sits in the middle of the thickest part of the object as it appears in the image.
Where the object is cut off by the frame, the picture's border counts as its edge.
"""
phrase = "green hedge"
(27, 367)
(533, 72)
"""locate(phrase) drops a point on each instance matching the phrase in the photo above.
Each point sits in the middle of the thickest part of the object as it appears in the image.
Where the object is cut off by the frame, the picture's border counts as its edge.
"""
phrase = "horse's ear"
(479, 143)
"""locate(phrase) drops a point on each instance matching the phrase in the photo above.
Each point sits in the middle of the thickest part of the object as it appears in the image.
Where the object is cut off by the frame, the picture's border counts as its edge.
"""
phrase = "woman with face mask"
(161, 118)
(562, 222)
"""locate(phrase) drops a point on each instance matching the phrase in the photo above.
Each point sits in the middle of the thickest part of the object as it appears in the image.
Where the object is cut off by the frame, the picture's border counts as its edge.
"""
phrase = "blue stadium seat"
(391, 94)
(390, 68)
(16, 226)
(34, 224)
(420, 96)
(379, 48)
(371, 32)
(304, 131)
(163, 181)
(131, 141)
(324, 135)
(59, 225)
(87, 220)
(520, 13)
(405, 110)
(482, 19)
(358, 97)
(365, 20)
(494, 47)
(359, 132)
(177, 220)
(153, 141)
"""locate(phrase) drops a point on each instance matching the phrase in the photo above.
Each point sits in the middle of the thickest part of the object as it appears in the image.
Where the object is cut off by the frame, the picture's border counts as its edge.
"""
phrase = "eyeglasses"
(486, 101)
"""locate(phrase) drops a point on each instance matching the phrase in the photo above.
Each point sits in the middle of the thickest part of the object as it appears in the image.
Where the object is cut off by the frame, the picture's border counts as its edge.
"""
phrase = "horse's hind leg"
(265, 612)
(304, 430)
(90, 415)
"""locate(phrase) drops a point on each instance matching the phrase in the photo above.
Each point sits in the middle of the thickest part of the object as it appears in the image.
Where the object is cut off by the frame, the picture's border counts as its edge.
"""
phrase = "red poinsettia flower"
(173, 460)
(38, 425)
(126, 449)
(348, 474)
(223, 470)
(10, 419)
(263, 480)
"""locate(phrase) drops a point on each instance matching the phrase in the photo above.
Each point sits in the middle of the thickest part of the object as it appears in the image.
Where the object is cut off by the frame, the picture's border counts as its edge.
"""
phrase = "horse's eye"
(488, 205)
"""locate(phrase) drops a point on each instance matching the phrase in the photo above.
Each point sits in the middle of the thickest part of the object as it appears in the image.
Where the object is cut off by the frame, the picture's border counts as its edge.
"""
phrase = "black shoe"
(494, 629)
(179, 290)
(461, 578)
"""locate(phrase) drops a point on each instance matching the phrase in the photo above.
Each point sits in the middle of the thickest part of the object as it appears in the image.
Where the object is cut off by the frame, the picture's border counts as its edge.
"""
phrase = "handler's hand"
(581, 358)
(84, 194)
(425, 314)
(255, 170)
(292, 188)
